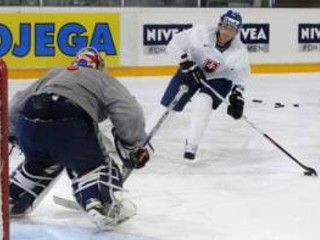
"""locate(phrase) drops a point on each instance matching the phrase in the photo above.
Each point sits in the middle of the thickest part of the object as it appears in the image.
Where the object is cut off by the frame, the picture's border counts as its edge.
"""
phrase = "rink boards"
(133, 40)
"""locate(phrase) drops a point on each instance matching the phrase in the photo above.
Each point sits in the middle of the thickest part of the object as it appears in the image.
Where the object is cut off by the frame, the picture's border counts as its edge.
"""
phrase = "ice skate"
(190, 151)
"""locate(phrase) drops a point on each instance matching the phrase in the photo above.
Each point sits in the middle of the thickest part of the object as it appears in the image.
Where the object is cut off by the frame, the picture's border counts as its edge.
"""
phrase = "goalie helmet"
(231, 18)
(89, 57)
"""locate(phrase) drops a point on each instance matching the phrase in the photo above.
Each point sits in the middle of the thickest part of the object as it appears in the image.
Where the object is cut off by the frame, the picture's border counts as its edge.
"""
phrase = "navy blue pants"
(64, 134)
(222, 86)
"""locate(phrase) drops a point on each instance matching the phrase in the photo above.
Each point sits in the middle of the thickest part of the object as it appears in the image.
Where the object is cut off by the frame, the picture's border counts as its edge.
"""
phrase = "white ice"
(241, 187)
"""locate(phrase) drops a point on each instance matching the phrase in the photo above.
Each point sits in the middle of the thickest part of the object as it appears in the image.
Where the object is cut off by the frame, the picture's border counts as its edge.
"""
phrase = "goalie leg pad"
(96, 192)
(28, 187)
(98, 184)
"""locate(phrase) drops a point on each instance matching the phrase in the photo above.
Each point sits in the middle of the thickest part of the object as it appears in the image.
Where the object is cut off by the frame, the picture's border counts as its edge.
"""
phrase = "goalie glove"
(133, 156)
(235, 109)
(190, 69)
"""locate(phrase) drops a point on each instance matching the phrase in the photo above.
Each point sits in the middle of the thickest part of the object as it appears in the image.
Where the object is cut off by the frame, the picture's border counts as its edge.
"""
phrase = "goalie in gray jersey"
(55, 122)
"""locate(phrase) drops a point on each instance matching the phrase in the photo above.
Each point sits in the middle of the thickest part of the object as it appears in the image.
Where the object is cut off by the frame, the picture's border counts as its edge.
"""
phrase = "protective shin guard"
(27, 189)
(201, 111)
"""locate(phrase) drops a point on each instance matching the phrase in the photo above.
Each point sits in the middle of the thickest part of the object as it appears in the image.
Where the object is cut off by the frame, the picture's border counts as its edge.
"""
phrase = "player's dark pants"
(53, 130)
(222, 86)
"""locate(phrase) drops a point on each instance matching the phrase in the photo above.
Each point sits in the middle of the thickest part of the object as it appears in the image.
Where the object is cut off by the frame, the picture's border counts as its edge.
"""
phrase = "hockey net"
(4, 203)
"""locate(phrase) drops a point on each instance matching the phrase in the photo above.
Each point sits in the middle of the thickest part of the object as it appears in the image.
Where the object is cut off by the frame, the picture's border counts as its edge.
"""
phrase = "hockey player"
(55, 121)
(217, 56)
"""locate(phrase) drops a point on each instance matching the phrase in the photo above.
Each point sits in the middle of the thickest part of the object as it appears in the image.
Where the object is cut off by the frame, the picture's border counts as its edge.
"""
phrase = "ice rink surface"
(240, 188)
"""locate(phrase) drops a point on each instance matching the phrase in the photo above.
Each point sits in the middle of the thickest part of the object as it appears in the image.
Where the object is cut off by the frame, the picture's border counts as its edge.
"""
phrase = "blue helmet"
(232, 18)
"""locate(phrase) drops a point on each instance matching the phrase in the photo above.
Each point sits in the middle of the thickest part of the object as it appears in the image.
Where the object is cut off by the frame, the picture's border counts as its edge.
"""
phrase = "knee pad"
(27, 189)
(98, 185)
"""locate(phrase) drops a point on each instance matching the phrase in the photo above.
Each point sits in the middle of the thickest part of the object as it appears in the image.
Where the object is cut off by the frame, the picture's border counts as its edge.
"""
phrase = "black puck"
(278, 105)
(257, 101)
(296, 105)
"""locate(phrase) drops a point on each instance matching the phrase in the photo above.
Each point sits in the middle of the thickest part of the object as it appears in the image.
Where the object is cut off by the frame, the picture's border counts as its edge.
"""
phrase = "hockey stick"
(182, 90)
(309, 171)
(67, 203)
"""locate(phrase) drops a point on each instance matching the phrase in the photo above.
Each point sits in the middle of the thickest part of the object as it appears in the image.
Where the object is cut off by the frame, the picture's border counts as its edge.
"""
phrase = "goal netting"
(4, 220)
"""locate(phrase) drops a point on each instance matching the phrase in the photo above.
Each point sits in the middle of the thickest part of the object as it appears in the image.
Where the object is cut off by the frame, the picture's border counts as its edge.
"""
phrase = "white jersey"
(200, 44)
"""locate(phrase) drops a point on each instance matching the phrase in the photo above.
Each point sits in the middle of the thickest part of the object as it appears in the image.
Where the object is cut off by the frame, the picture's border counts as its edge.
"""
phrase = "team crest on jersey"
(210, 65)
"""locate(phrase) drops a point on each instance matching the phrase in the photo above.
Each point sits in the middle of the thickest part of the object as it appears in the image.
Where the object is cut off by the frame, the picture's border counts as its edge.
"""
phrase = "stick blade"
(311, 172)
(66, 203)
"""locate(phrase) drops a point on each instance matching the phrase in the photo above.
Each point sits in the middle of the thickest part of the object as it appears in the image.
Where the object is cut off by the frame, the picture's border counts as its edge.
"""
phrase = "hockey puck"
(296, 105)
(278, 105)
(257, 101)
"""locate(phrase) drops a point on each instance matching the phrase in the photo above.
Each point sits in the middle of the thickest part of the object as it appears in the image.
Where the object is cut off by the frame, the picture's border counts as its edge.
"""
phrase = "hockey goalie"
(55, 123)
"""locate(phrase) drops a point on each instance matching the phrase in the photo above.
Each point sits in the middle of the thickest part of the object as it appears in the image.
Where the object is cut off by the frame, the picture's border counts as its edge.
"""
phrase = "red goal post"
(4, 200)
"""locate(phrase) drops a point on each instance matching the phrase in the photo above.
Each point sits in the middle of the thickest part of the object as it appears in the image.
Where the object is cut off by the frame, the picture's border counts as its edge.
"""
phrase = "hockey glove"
(235, 109)
(133, 156)
(191, 70)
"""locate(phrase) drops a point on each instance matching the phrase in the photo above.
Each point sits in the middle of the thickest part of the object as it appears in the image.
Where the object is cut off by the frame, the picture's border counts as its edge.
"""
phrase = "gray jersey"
(100, 95)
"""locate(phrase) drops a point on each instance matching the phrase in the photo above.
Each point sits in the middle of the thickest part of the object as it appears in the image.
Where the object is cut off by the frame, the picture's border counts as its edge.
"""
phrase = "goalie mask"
(89, 57)
(231, 18)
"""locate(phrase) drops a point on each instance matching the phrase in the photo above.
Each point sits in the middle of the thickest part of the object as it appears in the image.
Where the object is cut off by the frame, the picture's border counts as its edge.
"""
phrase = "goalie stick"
(67, 203)
(182, 90)
(308, 170)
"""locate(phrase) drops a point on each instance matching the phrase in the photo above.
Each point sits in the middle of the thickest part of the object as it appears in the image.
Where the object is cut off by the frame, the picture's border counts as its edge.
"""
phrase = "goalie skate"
(105, 219)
